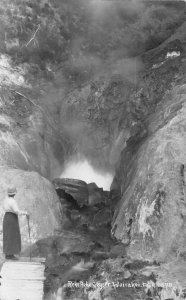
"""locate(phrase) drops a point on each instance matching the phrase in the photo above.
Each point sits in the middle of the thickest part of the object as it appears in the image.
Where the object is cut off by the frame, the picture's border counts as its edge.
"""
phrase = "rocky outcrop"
(70, 256)
(80, 192)
(77, 189)
(27, 138)
(150, 218)
(35, 195)
(83, 205)
(96, 195)
(144, 121)
(84, 239)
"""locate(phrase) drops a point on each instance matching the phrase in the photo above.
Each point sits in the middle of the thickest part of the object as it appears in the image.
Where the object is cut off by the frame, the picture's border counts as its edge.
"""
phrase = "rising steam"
(83, 170)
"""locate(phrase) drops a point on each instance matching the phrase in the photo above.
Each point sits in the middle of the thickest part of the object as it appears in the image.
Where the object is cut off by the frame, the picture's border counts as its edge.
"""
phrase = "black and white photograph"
(92, 149)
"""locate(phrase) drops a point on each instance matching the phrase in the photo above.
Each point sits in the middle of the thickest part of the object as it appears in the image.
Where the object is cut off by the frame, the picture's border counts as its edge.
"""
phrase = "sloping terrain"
(150, 218)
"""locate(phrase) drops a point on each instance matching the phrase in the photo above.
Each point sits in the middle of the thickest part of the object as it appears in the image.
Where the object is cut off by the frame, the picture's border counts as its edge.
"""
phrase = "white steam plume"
(83, 170)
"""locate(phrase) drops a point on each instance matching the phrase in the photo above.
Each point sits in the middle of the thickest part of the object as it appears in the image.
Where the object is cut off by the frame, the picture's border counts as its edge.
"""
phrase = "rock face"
(150, 176)
(29, 138)
(95, 194)
(76, 188)
(37, 196)
(91, 117)
(151, 217)
(145, 123)
(70, 256)
(23, 147)
(30, 145)
(83, 206)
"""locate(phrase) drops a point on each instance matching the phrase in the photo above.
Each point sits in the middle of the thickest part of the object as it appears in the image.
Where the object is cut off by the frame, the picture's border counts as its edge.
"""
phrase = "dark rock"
(69, 242)
(136, 265)
(92, 186)
(102, 217)
(100, 255)
(96, 194)
(75, 215)
(76, 188)
(118, 251)
(101, 237)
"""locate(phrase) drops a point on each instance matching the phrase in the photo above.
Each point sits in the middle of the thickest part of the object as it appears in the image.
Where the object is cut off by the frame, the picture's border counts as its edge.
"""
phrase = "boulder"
(36, 195)
(76, 188)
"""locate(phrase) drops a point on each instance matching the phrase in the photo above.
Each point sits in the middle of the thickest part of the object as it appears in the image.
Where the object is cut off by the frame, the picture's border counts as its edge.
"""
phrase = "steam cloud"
(116, 33)
(83, 170)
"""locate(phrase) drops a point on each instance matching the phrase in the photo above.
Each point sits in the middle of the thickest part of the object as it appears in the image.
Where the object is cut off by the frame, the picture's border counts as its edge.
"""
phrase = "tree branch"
(33, 37)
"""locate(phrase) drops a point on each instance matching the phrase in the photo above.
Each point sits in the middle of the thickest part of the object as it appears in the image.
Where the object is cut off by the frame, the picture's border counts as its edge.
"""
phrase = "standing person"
(11, 230)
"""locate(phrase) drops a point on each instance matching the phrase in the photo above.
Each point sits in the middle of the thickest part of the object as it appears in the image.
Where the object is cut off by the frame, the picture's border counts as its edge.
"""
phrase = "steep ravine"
(132, 233)
(148, 190)
(151, 170)
(125, 243)
(122, 236)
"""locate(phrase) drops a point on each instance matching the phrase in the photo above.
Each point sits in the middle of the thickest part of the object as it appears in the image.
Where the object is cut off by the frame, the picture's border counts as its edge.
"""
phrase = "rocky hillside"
(76, 76)
(150, 174)
(74, 83)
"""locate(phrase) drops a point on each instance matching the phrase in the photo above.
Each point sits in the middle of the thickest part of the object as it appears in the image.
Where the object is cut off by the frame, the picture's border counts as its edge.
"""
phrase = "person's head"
(11, 191)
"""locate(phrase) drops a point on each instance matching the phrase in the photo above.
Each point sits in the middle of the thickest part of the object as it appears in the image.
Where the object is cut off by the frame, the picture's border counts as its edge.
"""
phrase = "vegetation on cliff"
(77, 35)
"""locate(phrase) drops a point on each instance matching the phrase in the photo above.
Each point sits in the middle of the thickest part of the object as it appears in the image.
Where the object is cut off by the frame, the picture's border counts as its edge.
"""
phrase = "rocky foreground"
(83, 261)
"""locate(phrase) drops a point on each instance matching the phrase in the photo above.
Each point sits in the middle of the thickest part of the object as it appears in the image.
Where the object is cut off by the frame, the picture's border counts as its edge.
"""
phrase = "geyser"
(82, 169)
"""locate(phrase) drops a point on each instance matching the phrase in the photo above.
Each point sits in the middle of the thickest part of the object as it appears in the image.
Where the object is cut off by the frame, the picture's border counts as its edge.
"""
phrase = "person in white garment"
(11, 230)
